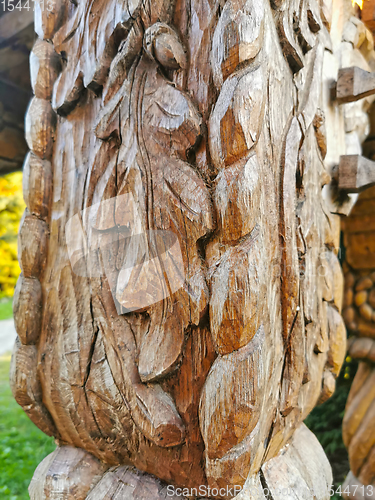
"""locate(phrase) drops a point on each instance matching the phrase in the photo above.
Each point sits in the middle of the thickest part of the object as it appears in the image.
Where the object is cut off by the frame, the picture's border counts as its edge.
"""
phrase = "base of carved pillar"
(301, 470)
(355, 490)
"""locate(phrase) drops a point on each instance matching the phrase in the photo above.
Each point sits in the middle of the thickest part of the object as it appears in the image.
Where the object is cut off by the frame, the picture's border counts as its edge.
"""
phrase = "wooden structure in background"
(205, 121)
(368, 14)
(16, 40)
(359, 314)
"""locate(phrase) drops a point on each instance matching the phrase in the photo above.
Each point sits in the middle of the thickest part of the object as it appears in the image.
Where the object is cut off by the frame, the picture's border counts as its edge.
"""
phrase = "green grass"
(22, 445)
(6, 309)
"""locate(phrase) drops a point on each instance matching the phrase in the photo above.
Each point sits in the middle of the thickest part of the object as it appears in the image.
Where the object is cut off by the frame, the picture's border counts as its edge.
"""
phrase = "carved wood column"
(179, 308)
(359, 314)
(357, 174)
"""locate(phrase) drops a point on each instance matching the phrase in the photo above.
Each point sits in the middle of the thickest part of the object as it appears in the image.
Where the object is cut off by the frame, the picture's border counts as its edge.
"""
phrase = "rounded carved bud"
(348, 315)
(37, 185)
(162, 43)
(48, 19)
(40, 124)
(45, 66)
(32, 245)
(360, 298)
(364, 284)
(366, 311)
(348, 297)
(27, 309)
(349, 279)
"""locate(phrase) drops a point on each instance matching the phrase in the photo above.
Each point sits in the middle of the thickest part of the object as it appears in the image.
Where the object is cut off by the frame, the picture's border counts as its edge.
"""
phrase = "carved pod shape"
(328, 387)
(349, 314)
(37, 185)
(49, 16)
(26, 387)
(162, 43)
(32, 245)
(366, 311)
(237, 286)
(27, 309)
(337, 337)
(227, 417)
(360, 298)
(40, 124)
(236, 120)
(45, 66)
(81, 472)
(332, 279)
(363, 348)
(238, 37)
(364, 284)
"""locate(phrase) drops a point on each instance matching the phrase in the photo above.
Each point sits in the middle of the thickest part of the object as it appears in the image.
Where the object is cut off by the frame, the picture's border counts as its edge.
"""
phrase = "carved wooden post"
(179, 308)
(359, 313)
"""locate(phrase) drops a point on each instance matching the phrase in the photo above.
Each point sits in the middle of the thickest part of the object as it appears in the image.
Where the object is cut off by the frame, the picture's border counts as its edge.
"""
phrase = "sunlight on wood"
(358, 2)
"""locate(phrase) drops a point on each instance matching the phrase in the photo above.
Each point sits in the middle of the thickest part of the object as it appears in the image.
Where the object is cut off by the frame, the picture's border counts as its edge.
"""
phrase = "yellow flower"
(12, 207)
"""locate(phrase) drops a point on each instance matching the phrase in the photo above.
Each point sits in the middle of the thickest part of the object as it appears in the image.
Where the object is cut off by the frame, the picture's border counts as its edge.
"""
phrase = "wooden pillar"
(179, 308)
(359, 314)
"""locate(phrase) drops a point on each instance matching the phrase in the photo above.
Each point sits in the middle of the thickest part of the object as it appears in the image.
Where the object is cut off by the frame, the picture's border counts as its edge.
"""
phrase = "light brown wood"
(26, 387)
(354, 83)
(37, 185)
(356, 173)
(45, 66)
(32, 245)
(40, 123)
(27, 309)
(359, 314)
(185, 239)
(53, 477)
(368, 14)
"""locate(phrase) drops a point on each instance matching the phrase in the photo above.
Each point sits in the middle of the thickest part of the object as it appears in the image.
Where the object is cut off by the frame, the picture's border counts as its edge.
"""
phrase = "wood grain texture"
(356, 173)
(359, 316)
(66, 473)
(27, 309)
(45, 66)
(26, 387)
(184, 242)
(308, 482)
(37, 185)
(354, 83)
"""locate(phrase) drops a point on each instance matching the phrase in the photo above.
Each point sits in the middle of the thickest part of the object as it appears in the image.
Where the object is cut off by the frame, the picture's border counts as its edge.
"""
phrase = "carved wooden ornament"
(179, 308)
(359, 315)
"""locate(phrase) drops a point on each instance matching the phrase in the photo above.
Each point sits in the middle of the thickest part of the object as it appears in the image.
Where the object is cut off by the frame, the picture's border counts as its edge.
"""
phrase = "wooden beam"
(12, 23)
(368, 14)
(353, 84)
(356, 173)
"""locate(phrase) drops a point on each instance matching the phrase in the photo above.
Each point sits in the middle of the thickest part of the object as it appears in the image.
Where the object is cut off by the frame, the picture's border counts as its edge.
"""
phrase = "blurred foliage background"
(12, 207)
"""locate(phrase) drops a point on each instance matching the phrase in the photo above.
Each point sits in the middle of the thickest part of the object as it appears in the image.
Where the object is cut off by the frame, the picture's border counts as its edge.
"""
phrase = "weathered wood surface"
(356, 173)
(72, 473)
(354, 83)
(186, 242)
(359, 314)
(368, 14)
